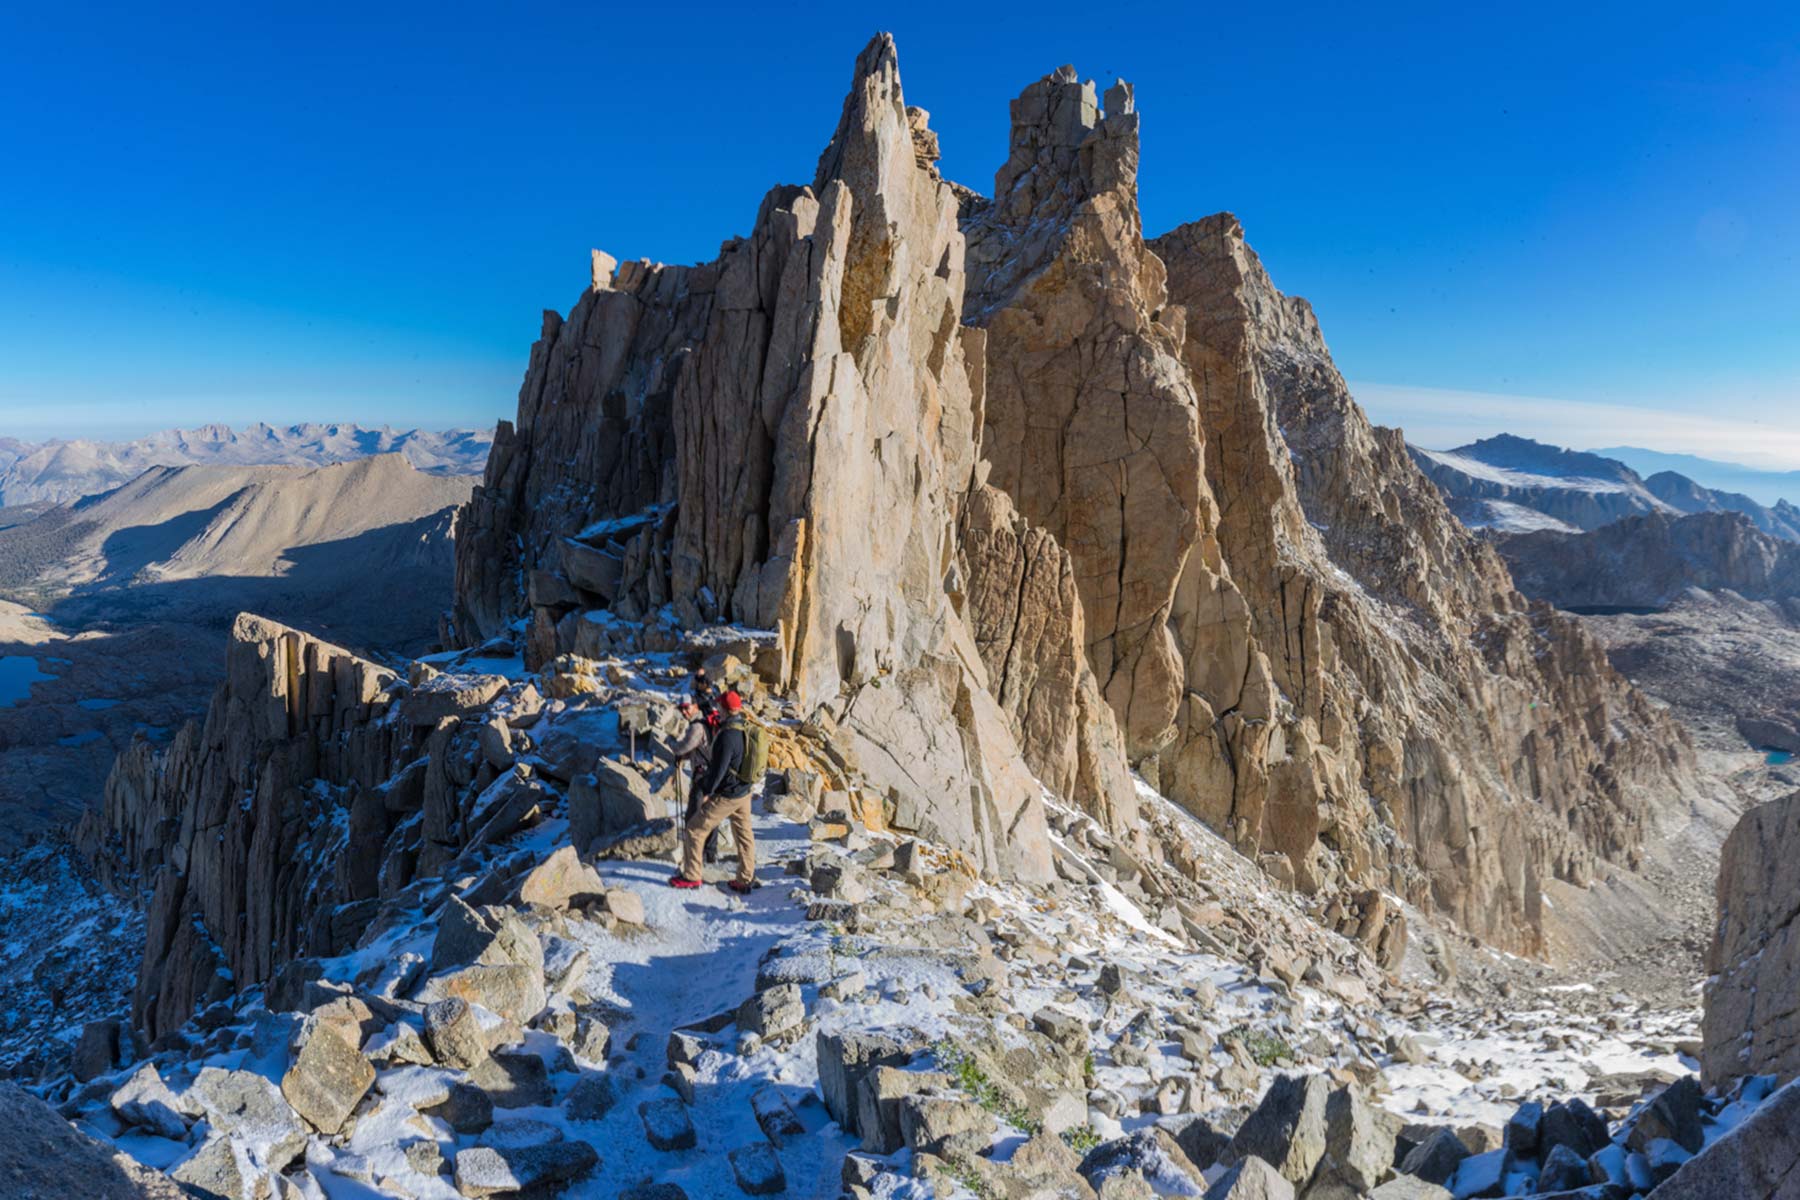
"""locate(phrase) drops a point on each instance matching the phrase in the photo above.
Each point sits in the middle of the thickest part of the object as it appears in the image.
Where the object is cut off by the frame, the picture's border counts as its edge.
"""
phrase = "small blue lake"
(1776, 758)
(17, 673)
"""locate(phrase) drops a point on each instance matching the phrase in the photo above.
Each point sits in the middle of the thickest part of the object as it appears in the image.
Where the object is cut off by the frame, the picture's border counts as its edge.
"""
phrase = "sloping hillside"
(114, 611)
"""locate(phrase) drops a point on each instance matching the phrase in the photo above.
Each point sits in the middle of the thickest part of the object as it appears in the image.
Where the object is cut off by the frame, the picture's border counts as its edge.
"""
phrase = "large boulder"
(612, 798)
(1151, 1152)
(513, 990)
(505, 1170)
(846, 1059)
(453, 1033)
(246, 1106)
(1359, 1145)
(1752, 1021)
(1251, 1179)
(98, 1050)
(43, 1157)
(450, 696)
(1759, 1160)
(217, 1169)
(1288, 1129)
(145, 1100)
(328, 1079)
(562, 881)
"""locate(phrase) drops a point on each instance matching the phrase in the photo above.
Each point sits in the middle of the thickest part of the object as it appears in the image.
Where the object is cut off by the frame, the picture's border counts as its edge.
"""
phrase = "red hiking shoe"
(741, 888)
(679, 881)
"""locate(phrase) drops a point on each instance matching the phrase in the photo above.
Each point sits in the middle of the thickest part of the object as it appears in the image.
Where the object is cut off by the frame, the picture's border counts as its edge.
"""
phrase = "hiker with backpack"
(734, 771)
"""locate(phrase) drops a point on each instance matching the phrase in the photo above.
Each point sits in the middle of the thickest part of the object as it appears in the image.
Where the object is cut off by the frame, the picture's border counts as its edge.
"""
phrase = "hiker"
(706, 696)
(690, 747)
(740, 755)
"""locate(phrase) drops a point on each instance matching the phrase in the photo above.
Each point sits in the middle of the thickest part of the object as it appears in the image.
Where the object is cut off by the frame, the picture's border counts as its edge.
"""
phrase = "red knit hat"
(733, 702)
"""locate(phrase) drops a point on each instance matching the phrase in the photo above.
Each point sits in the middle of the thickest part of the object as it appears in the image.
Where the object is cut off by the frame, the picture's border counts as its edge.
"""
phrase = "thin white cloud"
(1440, 418)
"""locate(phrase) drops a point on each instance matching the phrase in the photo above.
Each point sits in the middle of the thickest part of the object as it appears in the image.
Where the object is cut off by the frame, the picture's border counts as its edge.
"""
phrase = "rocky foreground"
(547, 1017)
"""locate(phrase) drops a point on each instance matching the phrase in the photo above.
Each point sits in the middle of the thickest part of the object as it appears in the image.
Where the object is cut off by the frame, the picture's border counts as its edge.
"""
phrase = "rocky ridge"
(1076, 438)
(1653, 561)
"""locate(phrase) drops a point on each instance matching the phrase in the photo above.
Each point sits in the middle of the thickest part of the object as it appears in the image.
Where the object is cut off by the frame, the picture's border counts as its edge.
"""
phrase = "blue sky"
(1571, 218)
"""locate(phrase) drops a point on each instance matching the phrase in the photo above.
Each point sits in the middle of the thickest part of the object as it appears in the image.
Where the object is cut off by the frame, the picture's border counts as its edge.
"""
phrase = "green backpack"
(755, 762)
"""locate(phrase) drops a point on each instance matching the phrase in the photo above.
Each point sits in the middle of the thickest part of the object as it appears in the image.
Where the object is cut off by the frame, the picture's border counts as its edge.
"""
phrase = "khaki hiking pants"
(714, 813)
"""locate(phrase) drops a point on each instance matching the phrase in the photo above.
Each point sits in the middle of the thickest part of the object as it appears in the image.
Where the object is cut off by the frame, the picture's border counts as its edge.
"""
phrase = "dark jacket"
(722, 764)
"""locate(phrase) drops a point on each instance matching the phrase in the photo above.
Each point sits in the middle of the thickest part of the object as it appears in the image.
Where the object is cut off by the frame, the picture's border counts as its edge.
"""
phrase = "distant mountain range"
(1765, 487)
(61, 471)
(1515, 485)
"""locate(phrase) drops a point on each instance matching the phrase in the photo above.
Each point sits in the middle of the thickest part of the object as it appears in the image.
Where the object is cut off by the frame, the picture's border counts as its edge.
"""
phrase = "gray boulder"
(145, 1100)
(214, 1170)
(1436, 1158)
(772, 1011)
(667, 1125)
(97, 1051)
(1564, 1170)
(1406, 1187)
(1759, 1160)
(467, 1109)
(1521, 1132)
(454, 1034)
(757, 1170)
(1251, 1179)
(327, 1080)
(505, 1170)
(1673, 1114)
(591, 1098)
(245, 1105)
(947, 1126)
(513, 1080)
(845, 1059)
(1573, 1124)
(1359, 1144)
(1152, 1152)
(1288, 1129)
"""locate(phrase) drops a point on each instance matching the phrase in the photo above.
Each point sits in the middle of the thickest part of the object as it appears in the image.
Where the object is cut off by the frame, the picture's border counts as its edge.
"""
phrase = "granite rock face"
(1021, 493)
(748, 417)
(1299, 642)
(1417, 691)
(1752, 1021)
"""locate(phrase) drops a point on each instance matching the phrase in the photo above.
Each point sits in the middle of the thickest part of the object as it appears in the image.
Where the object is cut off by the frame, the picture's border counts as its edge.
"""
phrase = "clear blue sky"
(356, 213)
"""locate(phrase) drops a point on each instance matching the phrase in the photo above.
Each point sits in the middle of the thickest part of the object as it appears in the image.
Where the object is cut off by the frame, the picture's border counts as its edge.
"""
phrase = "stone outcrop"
(1015, 488)
(1752, 1022)
(1427, 731)
(1653, 561)
(274, 828)
(788, 438)
(1299, 642)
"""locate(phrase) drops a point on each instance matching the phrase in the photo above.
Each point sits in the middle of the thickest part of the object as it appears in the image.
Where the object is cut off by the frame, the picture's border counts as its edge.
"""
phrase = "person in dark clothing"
(723, 797)
(707, 697)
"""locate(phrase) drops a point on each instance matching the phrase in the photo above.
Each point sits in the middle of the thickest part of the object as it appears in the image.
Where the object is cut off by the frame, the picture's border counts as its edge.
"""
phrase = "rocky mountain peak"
(1130, 516)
